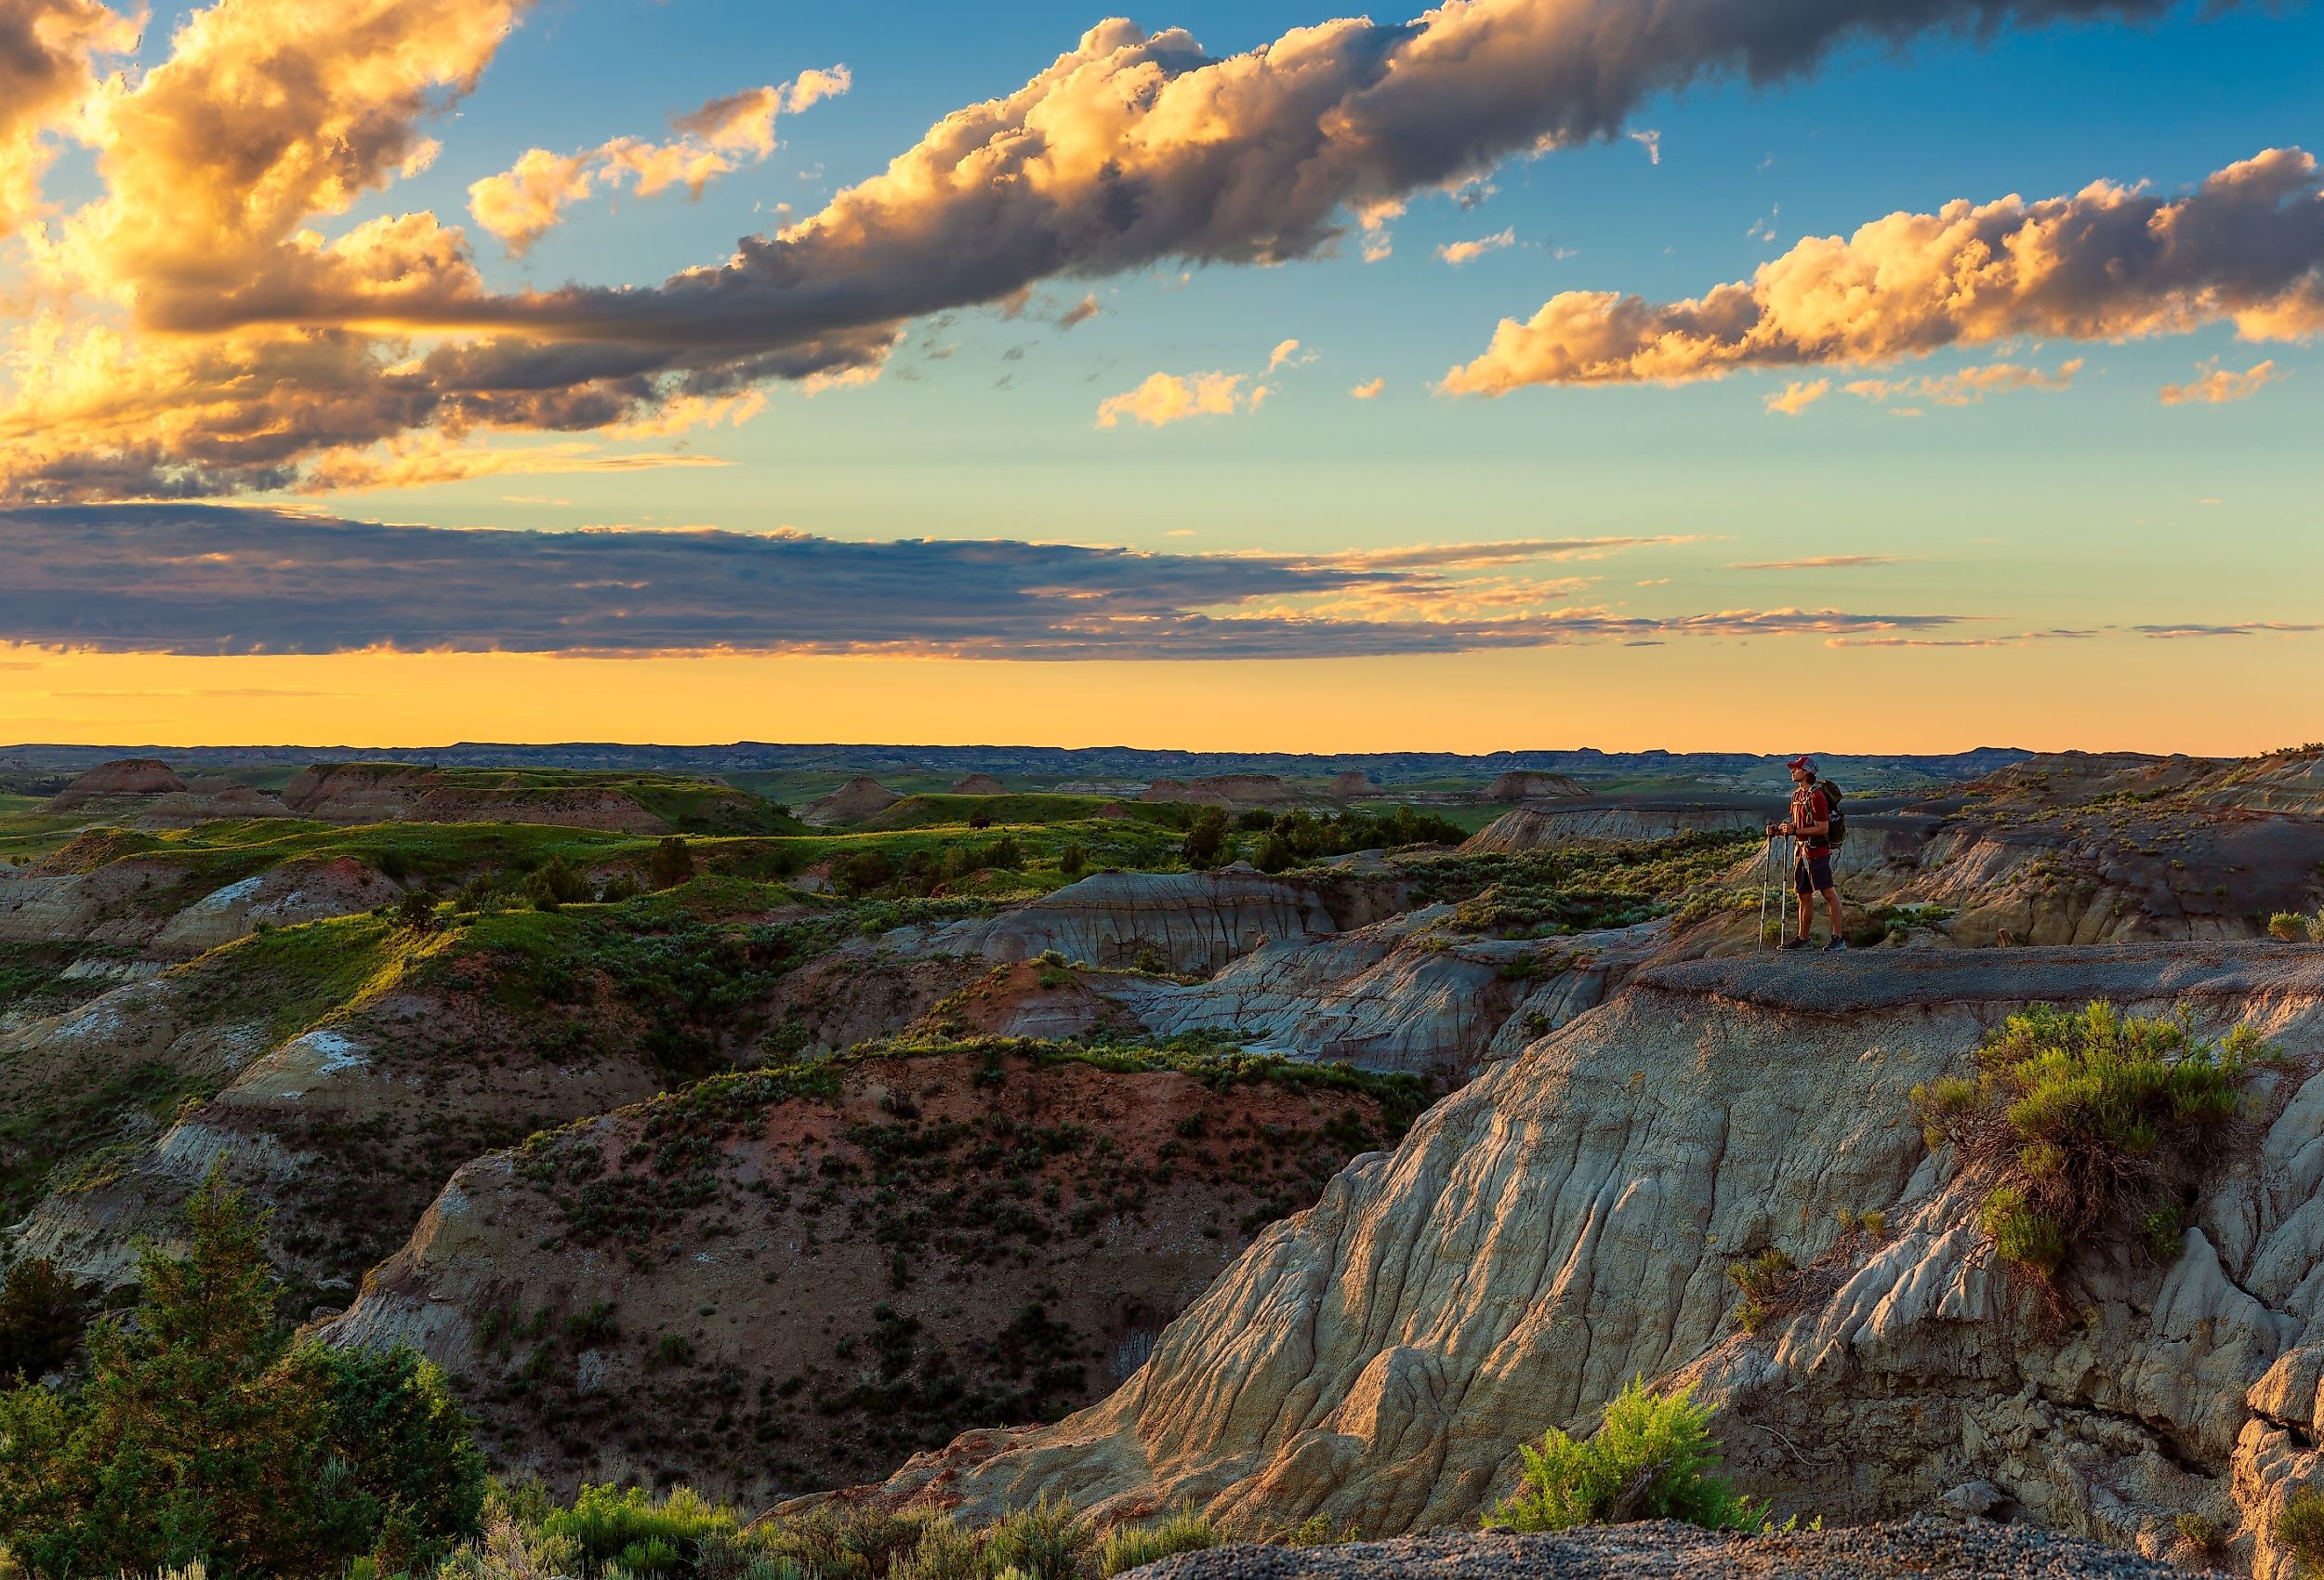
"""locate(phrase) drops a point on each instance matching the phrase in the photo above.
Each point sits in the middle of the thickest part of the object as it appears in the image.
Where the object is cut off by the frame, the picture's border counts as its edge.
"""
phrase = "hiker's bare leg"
(1832, 904)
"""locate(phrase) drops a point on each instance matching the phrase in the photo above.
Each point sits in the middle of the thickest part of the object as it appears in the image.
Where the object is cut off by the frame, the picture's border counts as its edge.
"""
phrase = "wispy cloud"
(1651, 140)
(1166, 398)
(2107, 263)
(1970, 384)
(1821, 562)
(1459, 252)
(2238, 628)
(524, 202)
(2217, 385)
(1798, 396)
(1370, 389)
(215, 580)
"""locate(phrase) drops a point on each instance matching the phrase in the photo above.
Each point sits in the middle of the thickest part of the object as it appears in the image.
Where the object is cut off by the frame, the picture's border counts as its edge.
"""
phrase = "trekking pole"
(1783, 894)
(1766, 865)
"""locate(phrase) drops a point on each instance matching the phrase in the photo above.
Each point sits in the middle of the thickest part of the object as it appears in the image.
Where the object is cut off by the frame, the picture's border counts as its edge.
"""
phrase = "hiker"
(1810, 826)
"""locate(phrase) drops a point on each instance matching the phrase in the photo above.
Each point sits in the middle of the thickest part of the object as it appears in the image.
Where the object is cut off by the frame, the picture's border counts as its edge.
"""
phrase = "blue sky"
(2094, 505)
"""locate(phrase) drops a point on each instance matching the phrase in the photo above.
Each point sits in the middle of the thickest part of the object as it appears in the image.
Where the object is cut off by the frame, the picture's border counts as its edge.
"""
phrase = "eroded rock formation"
(1565, 1223)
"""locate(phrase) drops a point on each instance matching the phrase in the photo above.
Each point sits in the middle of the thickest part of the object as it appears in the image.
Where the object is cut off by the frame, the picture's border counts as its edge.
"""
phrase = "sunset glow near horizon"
(1719, 375)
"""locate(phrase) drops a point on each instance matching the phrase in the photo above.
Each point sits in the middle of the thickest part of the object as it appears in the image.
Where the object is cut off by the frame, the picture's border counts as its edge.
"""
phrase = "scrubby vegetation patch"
(1651, 1459)
(2089, 1127)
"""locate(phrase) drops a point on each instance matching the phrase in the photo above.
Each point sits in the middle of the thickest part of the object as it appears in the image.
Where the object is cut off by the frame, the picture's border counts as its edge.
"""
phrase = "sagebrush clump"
(1649, 1460)
(1762, 1281)
(2090, 1124)
(2300, 1529)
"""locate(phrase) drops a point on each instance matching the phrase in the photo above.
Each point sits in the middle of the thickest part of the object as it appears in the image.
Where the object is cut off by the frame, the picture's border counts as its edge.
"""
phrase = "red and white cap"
(1802, 762)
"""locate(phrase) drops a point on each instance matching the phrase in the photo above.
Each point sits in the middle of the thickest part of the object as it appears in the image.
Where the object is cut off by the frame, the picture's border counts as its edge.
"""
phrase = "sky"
(1763, 374)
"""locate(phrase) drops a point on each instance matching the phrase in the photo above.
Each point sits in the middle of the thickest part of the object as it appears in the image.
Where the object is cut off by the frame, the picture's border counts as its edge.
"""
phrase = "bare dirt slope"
(1566, 1221)
(787, 1280)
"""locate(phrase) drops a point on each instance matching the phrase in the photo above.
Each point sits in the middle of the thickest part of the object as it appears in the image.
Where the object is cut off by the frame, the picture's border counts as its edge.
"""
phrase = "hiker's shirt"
(1810, 806)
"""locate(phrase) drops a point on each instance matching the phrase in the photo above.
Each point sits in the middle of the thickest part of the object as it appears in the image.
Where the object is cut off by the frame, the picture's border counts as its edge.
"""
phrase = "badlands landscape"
(1273, 1153)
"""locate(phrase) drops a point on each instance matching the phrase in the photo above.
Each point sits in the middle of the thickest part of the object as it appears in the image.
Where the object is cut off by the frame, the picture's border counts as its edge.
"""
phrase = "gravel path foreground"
(1666, 1551)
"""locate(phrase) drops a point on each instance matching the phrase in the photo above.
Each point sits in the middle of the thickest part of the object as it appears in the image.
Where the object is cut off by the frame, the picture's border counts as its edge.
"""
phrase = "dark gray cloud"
(220, 580)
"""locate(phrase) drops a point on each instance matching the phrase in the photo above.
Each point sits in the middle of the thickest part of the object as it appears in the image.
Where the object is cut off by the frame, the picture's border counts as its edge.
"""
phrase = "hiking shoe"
(1795, 943)
(1836, 943)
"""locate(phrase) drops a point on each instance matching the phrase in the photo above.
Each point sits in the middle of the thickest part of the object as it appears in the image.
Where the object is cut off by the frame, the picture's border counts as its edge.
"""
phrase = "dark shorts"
(1812, 872)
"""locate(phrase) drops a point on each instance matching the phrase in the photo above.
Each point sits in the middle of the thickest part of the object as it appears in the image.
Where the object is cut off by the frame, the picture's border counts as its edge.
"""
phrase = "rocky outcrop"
(1524, 787)
(859, 799)
(1664, 1549)
(1564, 1222)
(356, 793)
(1177, 922)
(283, 896)
(1235, 791)
(1403, 995)
(164, 907)
(129, 778)
(205, 800)
(1537, 828)
(1354, 784)
(842, 1268)
(980, 784)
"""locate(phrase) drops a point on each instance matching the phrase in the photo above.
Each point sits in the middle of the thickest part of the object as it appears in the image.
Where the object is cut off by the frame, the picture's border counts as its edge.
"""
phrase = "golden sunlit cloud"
(1797, 397)
(2111, 262)
(202, 330)
(1459, 252)
(1164, 398)
(2218, 385)
(523, 202)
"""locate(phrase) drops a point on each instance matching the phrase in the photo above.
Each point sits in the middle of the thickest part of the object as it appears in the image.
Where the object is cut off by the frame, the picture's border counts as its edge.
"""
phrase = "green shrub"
(2200, 1534)
(202, 1435)
(1204, 845)
(417, 912)
(945, 1552)
(1762, 1281)
(2090, 1124)
(2289, 926)
(1650, 1459)
(1045, 1542)
(1072, 858)
(1316, 1531)
(607, 1524)
(2300, 1529)
(41, 1314)
(555, 884)
(1129, 1547)
(672, 863)
(863, 871)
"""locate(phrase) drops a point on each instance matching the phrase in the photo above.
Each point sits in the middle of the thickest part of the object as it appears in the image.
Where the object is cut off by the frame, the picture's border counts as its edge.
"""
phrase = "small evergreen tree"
(672, 863)
(202, 1436)
(1205, 843)
(41, 1314)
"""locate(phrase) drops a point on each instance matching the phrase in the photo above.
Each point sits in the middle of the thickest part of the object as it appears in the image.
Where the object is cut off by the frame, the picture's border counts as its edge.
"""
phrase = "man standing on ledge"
(1809, 824)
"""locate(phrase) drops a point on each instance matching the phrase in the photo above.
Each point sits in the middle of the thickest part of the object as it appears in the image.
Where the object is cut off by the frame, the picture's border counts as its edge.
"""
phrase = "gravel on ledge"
(1666, 1551)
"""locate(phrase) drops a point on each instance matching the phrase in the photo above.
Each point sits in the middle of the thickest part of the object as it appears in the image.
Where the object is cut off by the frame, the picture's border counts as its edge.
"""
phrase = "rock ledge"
(1666, 1551)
